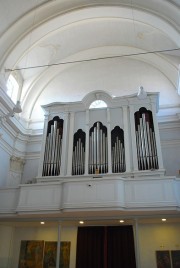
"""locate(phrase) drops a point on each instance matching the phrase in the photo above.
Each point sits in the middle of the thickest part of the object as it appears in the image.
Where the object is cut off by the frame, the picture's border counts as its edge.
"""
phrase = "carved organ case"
(122, 138)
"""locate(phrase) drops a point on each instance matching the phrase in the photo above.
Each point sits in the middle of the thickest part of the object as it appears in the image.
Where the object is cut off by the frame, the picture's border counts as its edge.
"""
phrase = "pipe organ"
(120, 139)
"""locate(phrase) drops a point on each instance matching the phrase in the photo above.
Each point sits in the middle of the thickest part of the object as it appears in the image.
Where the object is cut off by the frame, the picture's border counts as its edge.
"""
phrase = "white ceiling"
(77, 33)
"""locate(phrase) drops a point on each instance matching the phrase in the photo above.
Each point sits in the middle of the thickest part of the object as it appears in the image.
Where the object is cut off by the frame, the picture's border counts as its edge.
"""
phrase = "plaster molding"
(170, 143)
(169, 125)
(32, 155)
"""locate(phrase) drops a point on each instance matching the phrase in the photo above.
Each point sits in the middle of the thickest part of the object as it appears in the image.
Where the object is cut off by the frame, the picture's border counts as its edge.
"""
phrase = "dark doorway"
(105, 247)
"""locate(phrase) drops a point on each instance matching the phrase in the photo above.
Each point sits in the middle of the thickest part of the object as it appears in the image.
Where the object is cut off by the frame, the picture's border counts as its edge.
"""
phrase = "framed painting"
(31, 254)
(50, 252)
(163, 259)
(175, 256)
(65, 254)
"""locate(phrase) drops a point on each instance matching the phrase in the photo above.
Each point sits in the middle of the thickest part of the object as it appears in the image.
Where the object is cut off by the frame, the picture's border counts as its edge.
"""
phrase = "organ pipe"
(98, 152)
(53, 148)
(117, 150)
(78, 157)
(145, 140)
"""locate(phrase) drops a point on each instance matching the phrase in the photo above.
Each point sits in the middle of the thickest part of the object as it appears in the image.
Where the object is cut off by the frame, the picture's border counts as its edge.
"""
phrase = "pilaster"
(127, 140)
(133, 139)
(87, 142)
(109, 141)
(43, 145)
(70, 148)
(64, 153)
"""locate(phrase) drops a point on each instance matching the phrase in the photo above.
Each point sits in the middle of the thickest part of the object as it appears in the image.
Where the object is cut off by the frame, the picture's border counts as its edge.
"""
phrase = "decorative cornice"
(170, 143)
(168, 119)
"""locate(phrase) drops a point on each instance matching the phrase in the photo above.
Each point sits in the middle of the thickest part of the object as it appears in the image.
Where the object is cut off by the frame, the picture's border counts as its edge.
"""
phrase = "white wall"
(4, 166)
(46, 234)
(170, 143)
(171, 157)
(30, 170)
(6, 240)
(153, 237)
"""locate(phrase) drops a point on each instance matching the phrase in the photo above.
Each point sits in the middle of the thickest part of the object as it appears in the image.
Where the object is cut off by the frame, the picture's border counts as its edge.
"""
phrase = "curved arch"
(55, 16)
(62, 19)
(97, 95)
(45, 78)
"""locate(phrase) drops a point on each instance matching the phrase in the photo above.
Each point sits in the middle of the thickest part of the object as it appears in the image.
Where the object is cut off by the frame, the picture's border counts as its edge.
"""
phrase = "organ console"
(95, 141)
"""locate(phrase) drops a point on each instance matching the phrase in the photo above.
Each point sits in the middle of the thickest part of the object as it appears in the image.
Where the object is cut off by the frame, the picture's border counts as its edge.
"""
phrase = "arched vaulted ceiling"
(76, 47)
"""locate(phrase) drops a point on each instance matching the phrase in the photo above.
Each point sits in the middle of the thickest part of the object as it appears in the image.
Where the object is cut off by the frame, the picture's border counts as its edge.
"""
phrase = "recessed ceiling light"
(42, 222)
(121, 221)
(163, 219)
(81, 222)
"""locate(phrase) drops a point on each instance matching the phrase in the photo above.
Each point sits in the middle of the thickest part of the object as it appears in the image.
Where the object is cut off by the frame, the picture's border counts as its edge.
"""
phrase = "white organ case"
(120, 139)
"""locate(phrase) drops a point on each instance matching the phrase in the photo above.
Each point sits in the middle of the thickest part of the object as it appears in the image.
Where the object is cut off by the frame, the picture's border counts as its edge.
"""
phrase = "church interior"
(90, 134)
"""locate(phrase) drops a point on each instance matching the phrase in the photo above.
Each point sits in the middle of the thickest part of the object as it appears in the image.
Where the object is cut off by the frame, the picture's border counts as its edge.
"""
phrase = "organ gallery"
(121, 138)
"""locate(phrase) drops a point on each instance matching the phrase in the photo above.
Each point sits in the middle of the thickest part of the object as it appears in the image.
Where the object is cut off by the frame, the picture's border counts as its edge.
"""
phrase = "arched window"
(12, 88)
(97, 104)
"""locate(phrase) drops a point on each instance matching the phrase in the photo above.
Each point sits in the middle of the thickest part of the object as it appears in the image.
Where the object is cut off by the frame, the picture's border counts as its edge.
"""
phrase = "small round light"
(42, 222)
(163, 219)
(81, 222)
(121, 221)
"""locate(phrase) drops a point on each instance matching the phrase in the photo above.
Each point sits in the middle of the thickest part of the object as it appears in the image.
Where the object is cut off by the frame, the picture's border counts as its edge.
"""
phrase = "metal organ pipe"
(78, 157)
(145, 140)
(104, 156)
(118, 152)
(98, 152)
(52, 155)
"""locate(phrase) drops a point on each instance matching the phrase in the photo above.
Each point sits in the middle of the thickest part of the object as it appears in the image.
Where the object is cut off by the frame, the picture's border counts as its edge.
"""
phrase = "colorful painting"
(31, 254)
(163, 259)
(175, 255)
(37, 254)
(50, 252)
(65, 254)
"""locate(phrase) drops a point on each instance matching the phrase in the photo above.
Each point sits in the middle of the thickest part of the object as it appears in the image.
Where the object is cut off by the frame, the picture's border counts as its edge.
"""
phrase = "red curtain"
(105, 247)
(90, 247)
(120, 247)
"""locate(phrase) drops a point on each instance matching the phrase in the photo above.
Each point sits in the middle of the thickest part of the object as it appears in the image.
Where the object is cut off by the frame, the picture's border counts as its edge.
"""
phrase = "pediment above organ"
(111, 101)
